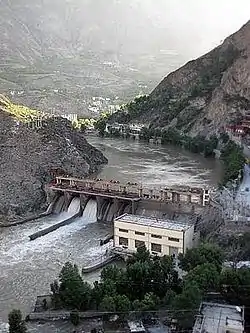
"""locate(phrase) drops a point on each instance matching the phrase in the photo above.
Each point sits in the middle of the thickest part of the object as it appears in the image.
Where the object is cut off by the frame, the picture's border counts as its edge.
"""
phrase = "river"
(28, 267)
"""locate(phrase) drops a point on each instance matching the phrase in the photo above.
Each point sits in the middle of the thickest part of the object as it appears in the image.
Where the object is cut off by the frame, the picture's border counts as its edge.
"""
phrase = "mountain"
(55, 54)
(203, 95)
(28, 157)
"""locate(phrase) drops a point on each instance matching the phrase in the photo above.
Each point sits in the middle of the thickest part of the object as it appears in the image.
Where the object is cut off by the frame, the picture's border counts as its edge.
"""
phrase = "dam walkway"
(131, 191)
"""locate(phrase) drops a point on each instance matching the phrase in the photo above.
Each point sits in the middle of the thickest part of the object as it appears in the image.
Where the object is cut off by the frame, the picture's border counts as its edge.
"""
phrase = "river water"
(28, 267)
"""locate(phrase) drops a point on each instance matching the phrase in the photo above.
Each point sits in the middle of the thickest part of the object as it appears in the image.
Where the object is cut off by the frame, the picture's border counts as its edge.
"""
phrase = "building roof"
(219, 318)
(153, 222)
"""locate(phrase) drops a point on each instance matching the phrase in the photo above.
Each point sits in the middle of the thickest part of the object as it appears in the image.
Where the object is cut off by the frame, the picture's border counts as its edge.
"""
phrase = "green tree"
(150, 302)
(163, 275)
(185, 305)
(206, 276)
(75, 318)
(168, 298)
(171, 136)
(97, 294)
(138, 279)
(108, 304)
(16, 323)
(141, 255)
(74, 293)
(111, 272)
(101, 122)
(123, 304)
(100, 125)
(235, 285)
(146, 133)
(234, 160)
(205, 253)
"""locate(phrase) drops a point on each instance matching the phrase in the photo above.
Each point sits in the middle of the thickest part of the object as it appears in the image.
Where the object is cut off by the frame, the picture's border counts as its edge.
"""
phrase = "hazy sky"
(209, 21)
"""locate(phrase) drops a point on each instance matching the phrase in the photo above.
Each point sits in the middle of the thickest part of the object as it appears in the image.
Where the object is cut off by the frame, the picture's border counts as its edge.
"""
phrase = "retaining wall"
(54, 227)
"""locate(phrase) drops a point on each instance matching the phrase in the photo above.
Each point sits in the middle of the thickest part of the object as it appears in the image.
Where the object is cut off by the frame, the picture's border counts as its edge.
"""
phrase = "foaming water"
(28, 267)
(90, 211)
(74, 207)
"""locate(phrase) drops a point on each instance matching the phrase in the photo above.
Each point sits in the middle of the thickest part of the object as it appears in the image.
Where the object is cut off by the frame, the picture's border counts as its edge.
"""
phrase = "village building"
(219, 318)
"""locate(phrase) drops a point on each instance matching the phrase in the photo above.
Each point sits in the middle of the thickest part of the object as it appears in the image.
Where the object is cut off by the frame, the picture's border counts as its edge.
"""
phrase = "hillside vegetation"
(20, 112)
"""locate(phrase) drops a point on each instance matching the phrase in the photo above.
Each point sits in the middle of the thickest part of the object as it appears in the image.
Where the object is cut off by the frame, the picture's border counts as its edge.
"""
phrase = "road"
(243, 193)
(236, 202)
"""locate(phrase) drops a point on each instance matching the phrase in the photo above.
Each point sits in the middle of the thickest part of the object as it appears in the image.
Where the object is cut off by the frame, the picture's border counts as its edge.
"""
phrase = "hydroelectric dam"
(104, 200)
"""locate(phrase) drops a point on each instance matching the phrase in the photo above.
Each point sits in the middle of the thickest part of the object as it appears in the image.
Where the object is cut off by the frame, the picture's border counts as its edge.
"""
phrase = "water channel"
(28, 267)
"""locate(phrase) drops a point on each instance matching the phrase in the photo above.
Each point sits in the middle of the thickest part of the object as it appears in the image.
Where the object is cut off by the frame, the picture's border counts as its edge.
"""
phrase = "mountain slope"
(70, 46)
(203, 95)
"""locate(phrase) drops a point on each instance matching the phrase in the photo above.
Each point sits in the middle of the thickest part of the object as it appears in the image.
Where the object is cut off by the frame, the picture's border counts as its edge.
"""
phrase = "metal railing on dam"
(130, 191)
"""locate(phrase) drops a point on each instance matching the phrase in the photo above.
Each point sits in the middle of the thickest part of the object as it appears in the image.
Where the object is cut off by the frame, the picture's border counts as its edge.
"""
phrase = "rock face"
(205, 94)
(27, 157)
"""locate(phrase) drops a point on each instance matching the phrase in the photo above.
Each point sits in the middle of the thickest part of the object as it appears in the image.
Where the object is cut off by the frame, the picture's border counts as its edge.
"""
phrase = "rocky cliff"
(27, 157)
(203, 95)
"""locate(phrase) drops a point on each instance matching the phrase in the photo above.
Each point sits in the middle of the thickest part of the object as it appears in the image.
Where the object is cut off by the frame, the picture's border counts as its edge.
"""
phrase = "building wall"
(189, 238)
(166, 238)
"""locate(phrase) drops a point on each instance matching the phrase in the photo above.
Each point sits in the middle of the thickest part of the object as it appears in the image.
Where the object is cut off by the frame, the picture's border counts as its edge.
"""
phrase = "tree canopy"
(16, 323)
(205, 253)
(148, 283)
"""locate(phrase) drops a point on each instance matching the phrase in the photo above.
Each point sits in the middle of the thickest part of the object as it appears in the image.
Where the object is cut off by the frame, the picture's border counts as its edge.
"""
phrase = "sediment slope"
(27, 157)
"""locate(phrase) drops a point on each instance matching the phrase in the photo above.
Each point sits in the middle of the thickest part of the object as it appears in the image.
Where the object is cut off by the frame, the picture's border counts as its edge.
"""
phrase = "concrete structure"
(132, 131)
(161, 237)
(71, 117)
(113, 188)
(219, 318)
(114, 198)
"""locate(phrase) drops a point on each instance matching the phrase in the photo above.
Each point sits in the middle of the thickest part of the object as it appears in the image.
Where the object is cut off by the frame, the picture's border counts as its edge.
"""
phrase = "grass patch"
(20, 112)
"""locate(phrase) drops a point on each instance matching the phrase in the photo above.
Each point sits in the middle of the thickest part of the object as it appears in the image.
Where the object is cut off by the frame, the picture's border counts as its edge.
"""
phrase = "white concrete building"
(161, 237)
(70, 116)
(219, 318)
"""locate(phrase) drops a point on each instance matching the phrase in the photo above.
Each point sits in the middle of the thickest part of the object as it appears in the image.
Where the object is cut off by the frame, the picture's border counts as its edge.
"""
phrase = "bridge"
(129, 195)
(130, 191)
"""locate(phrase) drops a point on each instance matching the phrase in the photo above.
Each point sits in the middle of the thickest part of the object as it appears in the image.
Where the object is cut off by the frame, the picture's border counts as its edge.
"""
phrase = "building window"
(123, 230)
(155, 247)
(139, 233)
(156, 236)
(123, 241)
(173, 251)
(172, 239)
(139, 243)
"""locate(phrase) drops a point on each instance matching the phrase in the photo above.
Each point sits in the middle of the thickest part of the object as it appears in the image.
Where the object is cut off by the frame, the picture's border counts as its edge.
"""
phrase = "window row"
(154, 247)
(171, 239)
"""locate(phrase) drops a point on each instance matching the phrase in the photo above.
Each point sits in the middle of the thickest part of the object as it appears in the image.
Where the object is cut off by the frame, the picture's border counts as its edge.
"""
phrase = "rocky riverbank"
(29, 156)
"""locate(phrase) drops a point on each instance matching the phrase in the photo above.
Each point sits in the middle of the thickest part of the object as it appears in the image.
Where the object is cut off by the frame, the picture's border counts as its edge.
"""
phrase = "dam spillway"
(73, 213)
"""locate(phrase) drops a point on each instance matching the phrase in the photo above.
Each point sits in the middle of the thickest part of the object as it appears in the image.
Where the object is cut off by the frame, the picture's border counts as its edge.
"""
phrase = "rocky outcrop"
(27, 157)
(203, 95)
